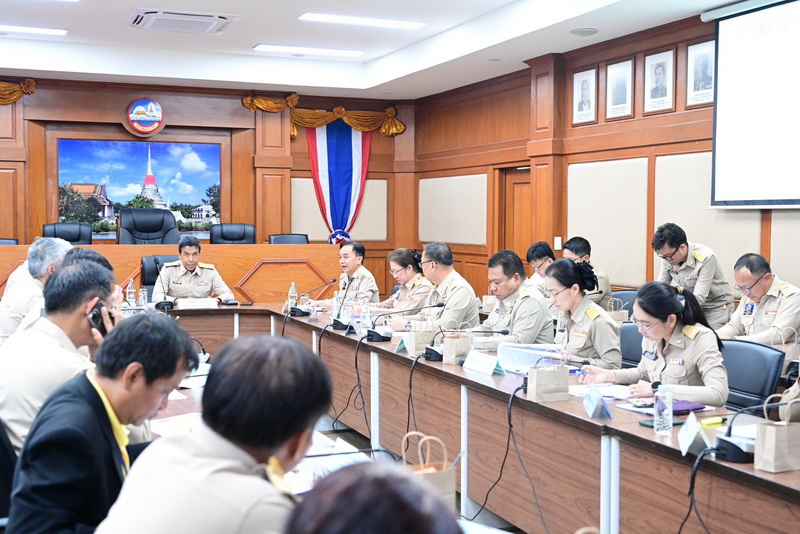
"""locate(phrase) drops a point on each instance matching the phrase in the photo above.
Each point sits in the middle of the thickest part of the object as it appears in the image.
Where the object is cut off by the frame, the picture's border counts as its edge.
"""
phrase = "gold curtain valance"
(11, 92)
(363, 121)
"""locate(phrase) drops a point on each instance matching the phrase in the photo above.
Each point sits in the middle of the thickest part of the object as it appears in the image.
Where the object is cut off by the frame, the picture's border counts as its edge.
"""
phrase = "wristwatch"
(408, 326)
(655, 385)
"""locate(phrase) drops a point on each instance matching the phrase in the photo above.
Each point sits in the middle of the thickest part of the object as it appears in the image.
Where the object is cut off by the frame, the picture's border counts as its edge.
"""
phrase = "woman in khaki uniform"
(678, 349)
(584, 329)
(414, 288)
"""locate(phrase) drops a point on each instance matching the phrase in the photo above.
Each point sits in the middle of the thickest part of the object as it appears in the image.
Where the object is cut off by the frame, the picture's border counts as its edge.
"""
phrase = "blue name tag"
(649, 355)
(749, 308)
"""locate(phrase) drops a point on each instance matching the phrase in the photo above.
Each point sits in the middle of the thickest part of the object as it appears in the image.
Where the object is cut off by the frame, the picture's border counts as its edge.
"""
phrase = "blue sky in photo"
(183, 171)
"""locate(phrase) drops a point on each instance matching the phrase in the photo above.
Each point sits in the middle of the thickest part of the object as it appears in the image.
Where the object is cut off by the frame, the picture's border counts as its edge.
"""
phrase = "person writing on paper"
(356, 282)
(521, 311)
(460, 308)
(585, 331)
(679, 349)
(414, 288)
(188, 278)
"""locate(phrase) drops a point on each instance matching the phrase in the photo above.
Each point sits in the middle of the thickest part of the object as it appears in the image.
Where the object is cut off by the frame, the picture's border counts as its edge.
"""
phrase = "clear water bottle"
(662, 421)
(336, 304)
(293, 296)
(130, 293)
(366, 317)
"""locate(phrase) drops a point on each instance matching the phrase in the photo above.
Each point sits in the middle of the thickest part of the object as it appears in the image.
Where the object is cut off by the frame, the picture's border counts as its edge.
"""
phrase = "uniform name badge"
(748, 308)
(650, 355)
(203, 283)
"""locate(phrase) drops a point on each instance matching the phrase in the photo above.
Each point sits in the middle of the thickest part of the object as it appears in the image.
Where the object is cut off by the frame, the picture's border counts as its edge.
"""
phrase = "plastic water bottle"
(336, 304)
(130, 293)
(293, 296)
(662, 422)
(366, 317)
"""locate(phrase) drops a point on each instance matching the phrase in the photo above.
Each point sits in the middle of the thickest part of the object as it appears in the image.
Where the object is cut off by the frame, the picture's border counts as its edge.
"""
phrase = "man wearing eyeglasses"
(579, 249)
(769, 311)
(694, 267)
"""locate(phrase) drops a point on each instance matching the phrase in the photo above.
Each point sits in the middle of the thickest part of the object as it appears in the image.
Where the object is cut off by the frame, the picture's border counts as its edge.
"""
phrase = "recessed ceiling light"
(584, 32)
(32, 30)
(282, 49)
(363, 21)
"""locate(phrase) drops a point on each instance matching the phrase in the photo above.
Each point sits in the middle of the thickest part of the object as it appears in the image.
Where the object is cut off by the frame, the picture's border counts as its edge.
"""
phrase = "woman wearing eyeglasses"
(414, 288)
(679, 350)
(584, 329)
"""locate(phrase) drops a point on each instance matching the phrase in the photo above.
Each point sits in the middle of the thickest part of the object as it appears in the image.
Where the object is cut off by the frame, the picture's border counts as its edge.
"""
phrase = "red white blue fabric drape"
(339, 159)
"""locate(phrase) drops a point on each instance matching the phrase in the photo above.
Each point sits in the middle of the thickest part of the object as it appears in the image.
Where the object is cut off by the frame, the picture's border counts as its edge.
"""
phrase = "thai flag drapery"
(339, 158)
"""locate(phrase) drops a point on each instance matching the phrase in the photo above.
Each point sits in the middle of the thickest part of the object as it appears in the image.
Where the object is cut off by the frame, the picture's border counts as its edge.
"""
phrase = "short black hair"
(404, 257)
(264, 390)
(539, 251)
(568, 273)
(189, 241)
(755, 263)
(669, 234)
(372, 497)
(72, 285)
(153, 339)
(439, 253)
(509, 261)
(578, 246)
(358, 248)
(86, 254)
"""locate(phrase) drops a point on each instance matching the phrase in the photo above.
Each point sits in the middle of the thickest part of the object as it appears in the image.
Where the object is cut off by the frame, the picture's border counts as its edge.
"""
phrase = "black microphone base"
(432, 355)
(730, 450)
(294, 311)
(339, 325)
(374, 336)
(164, 306)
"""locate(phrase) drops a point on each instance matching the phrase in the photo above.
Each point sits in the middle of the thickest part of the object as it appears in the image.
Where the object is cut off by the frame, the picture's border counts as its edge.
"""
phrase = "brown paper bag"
(456, 346)
(616, 312)
(790, 412)
(440, 475)
(778, 445)
(489, 302)
(548, 384)
(415, 342)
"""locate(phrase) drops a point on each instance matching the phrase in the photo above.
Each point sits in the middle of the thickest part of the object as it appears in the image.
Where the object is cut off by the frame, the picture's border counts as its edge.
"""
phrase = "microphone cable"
(285, 318)
(692, 501)
(360, 394)
(411, 412)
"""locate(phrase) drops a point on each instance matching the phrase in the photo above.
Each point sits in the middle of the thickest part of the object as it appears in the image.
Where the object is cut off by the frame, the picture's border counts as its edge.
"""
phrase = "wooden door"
(517, 211)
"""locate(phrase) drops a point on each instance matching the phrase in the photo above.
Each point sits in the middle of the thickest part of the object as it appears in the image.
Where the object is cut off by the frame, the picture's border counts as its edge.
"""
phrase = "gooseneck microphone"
(374, 336)
(296, 311)
(337, 323)
(732, 449)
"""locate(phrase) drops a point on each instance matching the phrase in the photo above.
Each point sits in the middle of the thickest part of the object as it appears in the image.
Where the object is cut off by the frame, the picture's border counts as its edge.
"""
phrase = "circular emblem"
(145, 117)
(337, 237)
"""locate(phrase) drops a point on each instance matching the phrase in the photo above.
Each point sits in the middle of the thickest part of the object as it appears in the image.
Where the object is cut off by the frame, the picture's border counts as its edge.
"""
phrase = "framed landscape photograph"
(584, 97)
(619, 90)
(700, 62)
(659, 82)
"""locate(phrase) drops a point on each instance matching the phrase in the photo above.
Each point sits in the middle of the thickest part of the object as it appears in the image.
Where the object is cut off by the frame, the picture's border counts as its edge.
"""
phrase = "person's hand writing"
(591, 374)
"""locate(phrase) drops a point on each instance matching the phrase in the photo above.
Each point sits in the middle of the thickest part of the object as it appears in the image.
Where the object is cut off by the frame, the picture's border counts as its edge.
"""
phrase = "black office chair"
(627, 296)
(8, 241)
(288, 239)
(75, 233)
(151, 266)
(147, 227)
(753, 372)
(8, 461)
(233, 234)
(630, 341)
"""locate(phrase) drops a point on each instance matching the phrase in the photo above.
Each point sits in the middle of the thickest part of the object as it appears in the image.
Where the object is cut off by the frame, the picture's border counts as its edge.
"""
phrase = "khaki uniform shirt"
(702, 275)
(526, 316)
(590, 334)
(363, 286)
(18, 301)
(412, 294)
(175, 282)
(20, 273)
(690, 364)
(460, 309)
(602, 293)
(770, 321)
(537, 282)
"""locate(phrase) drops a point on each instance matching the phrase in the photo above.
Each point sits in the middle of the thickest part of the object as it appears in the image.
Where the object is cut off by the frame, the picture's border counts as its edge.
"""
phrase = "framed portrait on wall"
(700, 60)
(619, 90)
(659, 82)
(584, 97)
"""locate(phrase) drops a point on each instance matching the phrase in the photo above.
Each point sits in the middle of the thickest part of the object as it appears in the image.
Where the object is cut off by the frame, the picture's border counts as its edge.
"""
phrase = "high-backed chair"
(147, 227)
(8, 241)
(233, 234)
(151, 266)
(753, 372)
(288, 239)
(75, 233)
(630, 341)
(8, 460)
(627, 296)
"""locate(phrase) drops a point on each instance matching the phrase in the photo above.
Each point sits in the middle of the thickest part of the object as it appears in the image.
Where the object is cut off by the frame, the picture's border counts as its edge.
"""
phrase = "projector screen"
(757, 111)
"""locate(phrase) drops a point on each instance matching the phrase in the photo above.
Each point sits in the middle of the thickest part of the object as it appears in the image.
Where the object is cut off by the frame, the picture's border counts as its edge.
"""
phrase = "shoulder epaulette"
(787, 289)
(592, 312)
(205, 265)
(525, 291)
(417, 281)
(690, 331)
(175, 263)
(699, 256)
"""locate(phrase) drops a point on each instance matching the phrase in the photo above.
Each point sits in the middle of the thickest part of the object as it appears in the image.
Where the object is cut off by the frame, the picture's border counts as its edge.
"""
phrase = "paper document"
(175, 425)
(609, 391)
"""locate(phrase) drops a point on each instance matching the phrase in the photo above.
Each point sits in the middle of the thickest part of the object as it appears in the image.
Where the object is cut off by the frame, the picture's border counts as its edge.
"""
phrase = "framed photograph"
(584, 97)
(659, 82)
(619, 90)
(700, 62)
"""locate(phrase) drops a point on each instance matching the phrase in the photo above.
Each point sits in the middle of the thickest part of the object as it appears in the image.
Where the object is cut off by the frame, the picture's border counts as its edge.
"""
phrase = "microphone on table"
(337, 323)
(433, 355)
(296, 311)
(733, 449)
(374, 336)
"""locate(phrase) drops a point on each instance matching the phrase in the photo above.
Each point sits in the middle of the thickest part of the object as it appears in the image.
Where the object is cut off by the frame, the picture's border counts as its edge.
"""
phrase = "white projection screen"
(757, 110)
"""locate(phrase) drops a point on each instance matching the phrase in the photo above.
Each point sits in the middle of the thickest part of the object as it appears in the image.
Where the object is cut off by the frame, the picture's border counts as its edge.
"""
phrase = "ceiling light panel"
(307, 51)
(362, 21)
(31, 30)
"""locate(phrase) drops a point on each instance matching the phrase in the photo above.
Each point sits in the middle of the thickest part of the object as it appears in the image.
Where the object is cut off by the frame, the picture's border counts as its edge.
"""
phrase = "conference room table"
(614, 474)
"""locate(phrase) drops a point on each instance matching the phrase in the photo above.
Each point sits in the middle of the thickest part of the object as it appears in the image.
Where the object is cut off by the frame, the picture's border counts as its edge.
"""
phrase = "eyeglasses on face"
(647, 327)
(668, 257)
(748, 289)
(556, 293)
(422, 263)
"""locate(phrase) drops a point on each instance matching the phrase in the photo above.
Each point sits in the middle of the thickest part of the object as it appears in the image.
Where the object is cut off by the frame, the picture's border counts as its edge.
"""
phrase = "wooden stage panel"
(339, 356)
(564, 462)
(437, 405)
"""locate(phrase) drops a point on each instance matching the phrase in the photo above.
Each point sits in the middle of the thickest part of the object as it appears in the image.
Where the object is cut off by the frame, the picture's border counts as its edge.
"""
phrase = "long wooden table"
(614, 474)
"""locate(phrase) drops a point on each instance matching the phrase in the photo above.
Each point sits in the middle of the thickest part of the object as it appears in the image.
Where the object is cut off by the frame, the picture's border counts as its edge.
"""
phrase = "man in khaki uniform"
(694, 267)
(188, 278)
(579, 249)
(524, 313)
(460, 309)
(361, 282)
(769, 311)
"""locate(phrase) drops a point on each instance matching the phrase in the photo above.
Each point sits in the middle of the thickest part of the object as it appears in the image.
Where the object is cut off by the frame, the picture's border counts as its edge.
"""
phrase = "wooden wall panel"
(272, 203)
(12, 132)
(12, 198)
(38, 201)
(243, 178)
